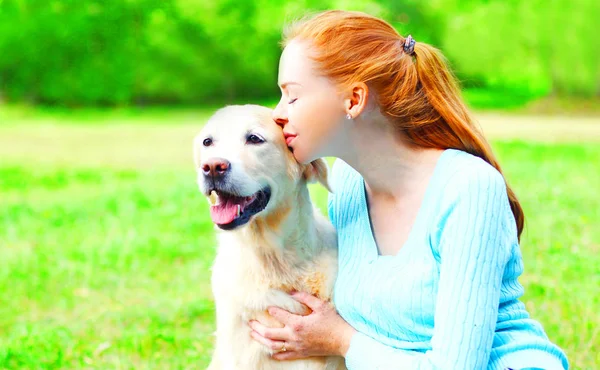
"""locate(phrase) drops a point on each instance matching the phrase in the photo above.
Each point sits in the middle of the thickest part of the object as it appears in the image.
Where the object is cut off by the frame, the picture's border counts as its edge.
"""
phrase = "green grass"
(522, 103)
(106, 245)
(495, 99)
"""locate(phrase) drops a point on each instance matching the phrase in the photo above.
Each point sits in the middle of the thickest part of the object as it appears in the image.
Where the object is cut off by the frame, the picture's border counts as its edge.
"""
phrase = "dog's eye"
(207, 142)
(254, 139)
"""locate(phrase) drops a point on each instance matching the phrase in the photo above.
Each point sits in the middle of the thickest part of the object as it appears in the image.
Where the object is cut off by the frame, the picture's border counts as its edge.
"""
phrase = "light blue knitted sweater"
(449, 298)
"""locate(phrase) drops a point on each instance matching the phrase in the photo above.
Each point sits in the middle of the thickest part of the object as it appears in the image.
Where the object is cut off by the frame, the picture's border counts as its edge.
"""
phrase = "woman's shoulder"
(342, 174)
(347, 186)
(341, 168)
(468, 186)
(463, 174)
(458, 172)
(473, 197)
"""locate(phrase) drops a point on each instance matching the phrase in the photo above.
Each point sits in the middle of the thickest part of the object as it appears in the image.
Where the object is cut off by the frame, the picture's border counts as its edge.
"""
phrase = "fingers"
(277, 334)
(273, 345)
(309, 300)
(281, 315)
(287, 355)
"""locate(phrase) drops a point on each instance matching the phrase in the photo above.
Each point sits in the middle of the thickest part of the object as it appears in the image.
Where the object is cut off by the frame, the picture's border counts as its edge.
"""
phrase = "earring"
(348, 116)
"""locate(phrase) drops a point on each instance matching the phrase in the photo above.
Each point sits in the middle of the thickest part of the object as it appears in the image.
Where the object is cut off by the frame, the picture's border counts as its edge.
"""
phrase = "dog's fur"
(287, 246)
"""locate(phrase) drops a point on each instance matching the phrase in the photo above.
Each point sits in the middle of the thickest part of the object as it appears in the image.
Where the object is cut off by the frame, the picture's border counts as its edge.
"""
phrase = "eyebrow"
(283, 85)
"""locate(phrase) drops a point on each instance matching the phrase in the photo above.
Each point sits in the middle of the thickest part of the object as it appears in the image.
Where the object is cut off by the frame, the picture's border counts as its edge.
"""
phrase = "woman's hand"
(323, 332)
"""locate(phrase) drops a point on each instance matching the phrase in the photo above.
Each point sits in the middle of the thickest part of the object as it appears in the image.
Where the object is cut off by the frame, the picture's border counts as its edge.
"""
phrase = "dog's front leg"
(227, 322)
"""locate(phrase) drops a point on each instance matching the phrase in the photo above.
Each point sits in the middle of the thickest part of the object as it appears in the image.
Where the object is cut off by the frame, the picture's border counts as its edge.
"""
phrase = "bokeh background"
(105, 242)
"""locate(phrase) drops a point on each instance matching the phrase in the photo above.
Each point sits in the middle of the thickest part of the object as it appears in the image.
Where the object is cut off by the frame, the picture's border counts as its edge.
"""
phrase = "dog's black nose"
(216, 167)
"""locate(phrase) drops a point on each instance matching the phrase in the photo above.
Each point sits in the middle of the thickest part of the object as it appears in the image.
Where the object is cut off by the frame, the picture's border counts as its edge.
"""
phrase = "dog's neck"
(285, 237)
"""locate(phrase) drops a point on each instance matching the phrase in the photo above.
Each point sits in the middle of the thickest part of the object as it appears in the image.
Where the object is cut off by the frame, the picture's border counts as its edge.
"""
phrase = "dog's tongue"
(224, 213)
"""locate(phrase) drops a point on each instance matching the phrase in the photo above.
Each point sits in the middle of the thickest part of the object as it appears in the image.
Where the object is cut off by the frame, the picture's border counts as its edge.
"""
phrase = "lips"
(289, 138)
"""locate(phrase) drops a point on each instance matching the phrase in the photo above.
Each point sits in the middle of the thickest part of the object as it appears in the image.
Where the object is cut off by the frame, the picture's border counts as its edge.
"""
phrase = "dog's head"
(245, 168)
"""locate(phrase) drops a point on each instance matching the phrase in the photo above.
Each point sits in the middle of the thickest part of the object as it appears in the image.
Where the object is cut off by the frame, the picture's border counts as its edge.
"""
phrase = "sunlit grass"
(106, 245)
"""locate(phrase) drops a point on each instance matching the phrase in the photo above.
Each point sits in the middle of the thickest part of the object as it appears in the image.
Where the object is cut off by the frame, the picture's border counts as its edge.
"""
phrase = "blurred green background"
(117, 52)
(105, 242)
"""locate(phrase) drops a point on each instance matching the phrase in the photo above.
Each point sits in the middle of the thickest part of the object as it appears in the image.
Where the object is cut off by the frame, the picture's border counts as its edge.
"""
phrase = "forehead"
(241, 119)
(295, 64)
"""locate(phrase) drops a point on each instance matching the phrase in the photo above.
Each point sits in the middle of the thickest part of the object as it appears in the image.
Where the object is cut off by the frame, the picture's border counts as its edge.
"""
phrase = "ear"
(357, 99)
(317, 170)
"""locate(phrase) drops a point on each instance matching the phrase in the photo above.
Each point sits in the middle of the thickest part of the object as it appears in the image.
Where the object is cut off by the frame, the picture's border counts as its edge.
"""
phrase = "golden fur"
(288, 246)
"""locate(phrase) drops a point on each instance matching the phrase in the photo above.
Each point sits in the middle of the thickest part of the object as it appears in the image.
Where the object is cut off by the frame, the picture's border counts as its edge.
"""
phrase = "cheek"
(253, 161)
(315, 115)
(323, 127)
(264, 162)
(316, 118)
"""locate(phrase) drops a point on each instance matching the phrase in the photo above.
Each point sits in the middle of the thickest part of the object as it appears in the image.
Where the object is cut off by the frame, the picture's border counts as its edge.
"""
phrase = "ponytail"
(412, 82)
(443, 94)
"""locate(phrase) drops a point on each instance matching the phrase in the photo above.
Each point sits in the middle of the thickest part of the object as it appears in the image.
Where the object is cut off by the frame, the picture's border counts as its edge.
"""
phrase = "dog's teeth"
(239, 210)
(213, 198)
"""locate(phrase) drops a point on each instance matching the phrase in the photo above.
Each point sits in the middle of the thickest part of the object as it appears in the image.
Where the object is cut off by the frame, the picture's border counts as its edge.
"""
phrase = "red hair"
(416, 91)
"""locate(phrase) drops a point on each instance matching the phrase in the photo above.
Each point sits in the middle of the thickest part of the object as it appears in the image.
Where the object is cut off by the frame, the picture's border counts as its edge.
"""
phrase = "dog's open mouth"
(229, 211)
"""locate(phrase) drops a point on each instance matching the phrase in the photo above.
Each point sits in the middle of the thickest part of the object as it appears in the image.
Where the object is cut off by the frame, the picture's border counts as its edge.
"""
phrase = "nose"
(280, 115)
(216, 167)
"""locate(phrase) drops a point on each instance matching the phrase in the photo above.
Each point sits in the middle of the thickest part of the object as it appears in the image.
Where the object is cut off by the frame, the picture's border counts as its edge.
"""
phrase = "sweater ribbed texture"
(457, 269)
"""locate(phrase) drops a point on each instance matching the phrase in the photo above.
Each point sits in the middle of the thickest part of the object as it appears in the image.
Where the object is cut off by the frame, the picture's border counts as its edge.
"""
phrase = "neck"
(298, 229)
(285, 236)
(389, 165)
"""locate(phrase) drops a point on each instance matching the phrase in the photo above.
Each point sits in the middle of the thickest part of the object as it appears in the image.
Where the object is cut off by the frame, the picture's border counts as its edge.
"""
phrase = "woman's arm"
(473, 242)
(323, 332)
(475, 235)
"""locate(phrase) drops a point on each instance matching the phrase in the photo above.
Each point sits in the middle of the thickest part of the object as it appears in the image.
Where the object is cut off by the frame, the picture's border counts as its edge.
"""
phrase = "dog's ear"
(318, 170)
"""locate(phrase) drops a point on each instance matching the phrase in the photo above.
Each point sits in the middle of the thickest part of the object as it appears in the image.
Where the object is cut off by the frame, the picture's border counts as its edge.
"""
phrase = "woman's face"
(311, 110)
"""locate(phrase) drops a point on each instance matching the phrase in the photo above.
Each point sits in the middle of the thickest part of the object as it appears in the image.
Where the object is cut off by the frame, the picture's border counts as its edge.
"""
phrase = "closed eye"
(254, 139)
(292, 101)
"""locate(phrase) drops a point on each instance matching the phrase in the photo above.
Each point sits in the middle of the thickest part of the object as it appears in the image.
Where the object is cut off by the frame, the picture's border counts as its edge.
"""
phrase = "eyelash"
(292, 101)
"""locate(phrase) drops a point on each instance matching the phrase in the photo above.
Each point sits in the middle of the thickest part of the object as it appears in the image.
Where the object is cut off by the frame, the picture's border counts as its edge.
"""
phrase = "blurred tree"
(67, 51)
(116, 52)
(536, 47)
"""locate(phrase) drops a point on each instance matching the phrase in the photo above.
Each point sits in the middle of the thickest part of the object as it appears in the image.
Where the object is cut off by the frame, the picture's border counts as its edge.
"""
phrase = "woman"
(428, 230)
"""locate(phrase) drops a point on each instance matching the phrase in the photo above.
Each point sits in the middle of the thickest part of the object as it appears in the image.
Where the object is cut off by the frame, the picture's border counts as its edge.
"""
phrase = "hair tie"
(409, 45)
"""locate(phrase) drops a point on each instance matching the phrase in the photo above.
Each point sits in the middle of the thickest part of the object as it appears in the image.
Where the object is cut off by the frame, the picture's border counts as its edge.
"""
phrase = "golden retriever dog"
(271, 240)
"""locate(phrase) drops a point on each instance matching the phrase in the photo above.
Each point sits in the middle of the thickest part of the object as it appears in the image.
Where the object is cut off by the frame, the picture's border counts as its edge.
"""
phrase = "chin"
(300, 156)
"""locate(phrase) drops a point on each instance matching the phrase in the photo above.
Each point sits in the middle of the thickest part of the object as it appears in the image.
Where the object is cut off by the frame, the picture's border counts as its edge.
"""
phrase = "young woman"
(428, 229)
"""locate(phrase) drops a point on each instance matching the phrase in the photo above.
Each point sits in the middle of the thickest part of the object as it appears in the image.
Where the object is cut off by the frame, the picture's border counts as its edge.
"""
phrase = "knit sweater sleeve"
(336, 173)
(472, 243)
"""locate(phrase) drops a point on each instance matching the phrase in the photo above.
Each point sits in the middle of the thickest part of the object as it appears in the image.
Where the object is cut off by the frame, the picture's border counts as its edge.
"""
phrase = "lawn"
(106, 245)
